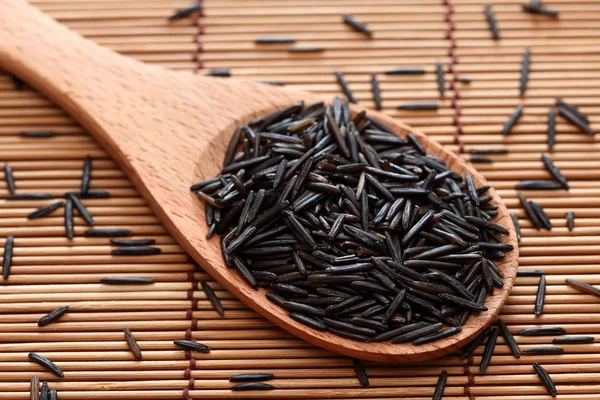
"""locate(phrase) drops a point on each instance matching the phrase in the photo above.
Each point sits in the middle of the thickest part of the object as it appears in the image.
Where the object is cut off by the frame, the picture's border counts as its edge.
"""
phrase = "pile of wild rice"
(353, 229)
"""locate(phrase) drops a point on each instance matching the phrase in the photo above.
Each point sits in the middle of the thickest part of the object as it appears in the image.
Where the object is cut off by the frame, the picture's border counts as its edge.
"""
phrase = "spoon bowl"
(169, 129)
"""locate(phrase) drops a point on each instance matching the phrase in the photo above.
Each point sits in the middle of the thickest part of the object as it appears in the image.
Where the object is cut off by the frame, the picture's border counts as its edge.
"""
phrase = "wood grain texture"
(167, 130)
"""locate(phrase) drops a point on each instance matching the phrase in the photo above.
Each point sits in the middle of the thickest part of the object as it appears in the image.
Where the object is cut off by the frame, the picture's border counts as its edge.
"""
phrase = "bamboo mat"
(88, 344)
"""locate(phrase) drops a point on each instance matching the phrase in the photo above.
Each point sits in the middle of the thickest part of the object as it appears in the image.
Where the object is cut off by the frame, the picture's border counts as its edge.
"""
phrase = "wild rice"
(44, 362)
(251, 377)
(546, 380)
(491, 19)
(126, 280)
(543, 331)
(441, 386)
(510, 340)
(251, 386)
(43, 210)
(7, 258)
(191, 345)
(512, 120)
(326, 225)
(361, 373)
(53, 316)
(356, 25)
(132, 344)
(9, 178)
(541, 294)
(185, 11)
(583, 287)
(135, 251)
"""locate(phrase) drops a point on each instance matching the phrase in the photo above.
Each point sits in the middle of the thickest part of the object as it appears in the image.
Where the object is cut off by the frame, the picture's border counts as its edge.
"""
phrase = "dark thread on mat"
(452, 70)
(470, 378)
(196, 38)
(189, 315)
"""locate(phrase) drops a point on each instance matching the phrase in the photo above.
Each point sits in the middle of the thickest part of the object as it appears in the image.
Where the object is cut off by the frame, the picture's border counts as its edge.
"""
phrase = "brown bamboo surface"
(88, 344)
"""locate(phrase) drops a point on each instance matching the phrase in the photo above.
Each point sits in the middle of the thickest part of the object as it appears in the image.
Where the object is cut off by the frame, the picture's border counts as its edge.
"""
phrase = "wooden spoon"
(168, 130)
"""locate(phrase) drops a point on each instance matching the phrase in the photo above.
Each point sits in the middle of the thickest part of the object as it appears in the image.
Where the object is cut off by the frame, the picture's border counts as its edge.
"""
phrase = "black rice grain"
(274, 40)
(37, 134)
(543, 351)
(34, 388)
(212, 297)
(29, 196)
(530, 272)
(47, 209)
(376, 91)
(551, 131)
(132, 344)
(126, 280)
(541, 294)
(575, 118)
(219, 72)
(357, 25)
(515, 221)
(444, 333)
(251, 377)
(475, 343)
(91, 194)
(477, 159)
(417, 333)
(546, 380)
(132, 242)
(583, 287)
(537, 224)
(44, 362)
(106, 232)
(489, 350)
(86, 175)
(489, 151)
(406, 71)
(538, 184)
(7, 258)
(570, 216)
(344, 85)
(441, 386)
(308, 321)
(52, 316)
(45, 391)
(543, 331)
(541, 215)
(185, 11)
(9, 178)
(81, 209)
(534, 7)
(555, 172)
(304, 49)
(510, 340)
(512, 120)
(191, 345)
(251, 386)
(417, 106)
(53, 394)
(135, 251)
(573, 340)
(491, 19)
(525, 71)
(361, 373)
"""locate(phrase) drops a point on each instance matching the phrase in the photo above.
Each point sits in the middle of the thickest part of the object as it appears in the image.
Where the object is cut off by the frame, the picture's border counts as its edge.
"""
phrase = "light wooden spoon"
(168, 130)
